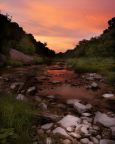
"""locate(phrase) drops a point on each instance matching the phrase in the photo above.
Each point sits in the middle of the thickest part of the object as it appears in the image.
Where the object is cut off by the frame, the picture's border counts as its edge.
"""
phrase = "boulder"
(113, 131)
(69, 121)
(108, 96)
(66, 141)
(104, 120)
(106, 141)
(20, 97)
(84, 141)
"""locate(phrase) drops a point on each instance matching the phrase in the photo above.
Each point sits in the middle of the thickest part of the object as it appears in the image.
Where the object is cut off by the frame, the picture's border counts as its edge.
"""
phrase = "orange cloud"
(61, 23)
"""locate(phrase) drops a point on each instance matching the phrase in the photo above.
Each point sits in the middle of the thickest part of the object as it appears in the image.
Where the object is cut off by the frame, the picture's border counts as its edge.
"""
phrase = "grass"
(14, 63)
(105, 66)
(15, 120)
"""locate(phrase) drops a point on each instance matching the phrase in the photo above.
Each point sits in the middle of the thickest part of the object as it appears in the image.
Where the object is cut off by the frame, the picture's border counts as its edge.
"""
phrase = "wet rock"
(67, 141)
(60, 131)
(69, 121)
(106, 141)
(84, 141)
(113, 131)
(20, 97)
(104, 120)
(108, 96)
(47, 126)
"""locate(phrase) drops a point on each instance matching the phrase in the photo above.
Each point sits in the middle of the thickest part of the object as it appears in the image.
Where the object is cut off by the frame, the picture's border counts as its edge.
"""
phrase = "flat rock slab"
(106, 141)
(69, 121)
(60, 131)
(104, 120)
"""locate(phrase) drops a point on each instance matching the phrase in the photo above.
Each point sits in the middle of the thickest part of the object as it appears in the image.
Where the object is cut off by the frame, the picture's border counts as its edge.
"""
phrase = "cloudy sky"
(60, 23)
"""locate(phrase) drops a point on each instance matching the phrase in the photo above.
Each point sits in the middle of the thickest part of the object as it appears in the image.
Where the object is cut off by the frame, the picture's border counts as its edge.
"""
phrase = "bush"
(38, 60)
(15, 116)
(14, 63)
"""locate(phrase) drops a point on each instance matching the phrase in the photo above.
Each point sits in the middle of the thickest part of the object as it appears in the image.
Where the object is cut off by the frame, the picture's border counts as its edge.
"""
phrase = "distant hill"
(12, 36)
(102, 46)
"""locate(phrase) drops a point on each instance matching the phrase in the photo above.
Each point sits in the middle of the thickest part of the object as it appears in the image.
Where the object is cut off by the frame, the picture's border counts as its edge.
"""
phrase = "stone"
(84, 141)
(113, 131)
(31, 90)
(108, 96)
(69, 121)
(72, 101)
(38, 99)
(104, 120)
(94, 85)
(14, 85)
(51, 97)
(86, 114)
(43, 106)
(84, 130)
(47, 126)
(90, 142)
(20, 97)
(94, 140)
(70, 129)
(98, 137)
(60, 131)
(81, 108)
(75, 135)
(106, 141)
(48, 140)
(66, 141)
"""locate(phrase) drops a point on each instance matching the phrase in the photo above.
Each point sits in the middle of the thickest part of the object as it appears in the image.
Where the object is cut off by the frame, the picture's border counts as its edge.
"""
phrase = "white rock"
(69, 121)
(84, 130)
(84, 141)
(81, 108)
(51, 97)
(31, 89)
(90, 142)
(75, 135)
(108, 96)
(60, 131)
(86, 114)
(94, 85)
(20, 97)
(106, 141)
(104, 120)
(47, 126)
(113, 131)
(43, 106)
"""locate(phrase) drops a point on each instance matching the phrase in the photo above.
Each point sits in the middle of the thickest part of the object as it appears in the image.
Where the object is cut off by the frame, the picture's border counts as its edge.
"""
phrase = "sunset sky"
(60, 23)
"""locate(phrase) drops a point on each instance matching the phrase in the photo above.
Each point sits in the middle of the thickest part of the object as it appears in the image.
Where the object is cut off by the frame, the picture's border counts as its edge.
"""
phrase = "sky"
(60, 23)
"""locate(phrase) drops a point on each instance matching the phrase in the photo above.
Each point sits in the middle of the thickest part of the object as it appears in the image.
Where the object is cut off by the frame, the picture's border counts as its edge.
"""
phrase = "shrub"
(14, 63)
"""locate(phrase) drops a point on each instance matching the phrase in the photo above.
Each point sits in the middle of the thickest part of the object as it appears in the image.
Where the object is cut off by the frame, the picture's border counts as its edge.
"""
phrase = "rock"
(70, 129)
(20, 97)
(90, 142)
(98, 137)
(94, 85)
(108, 96)
(94, 140)
(72, 101)
(35, 142)
(104, 120)
(84, 130)
(47, 126)
(75, 135)
(43, 106)
(84, 141)
(48, 140)
(81, 108)
(60, 131)
(3, 60)
(66, 141)
(56, 82)
(86, 114)
(107, 141)
(40, 132)
(113, 131)
(14, 85)
(37, 98)
(69, 121)
(51, 97)
(31, 90)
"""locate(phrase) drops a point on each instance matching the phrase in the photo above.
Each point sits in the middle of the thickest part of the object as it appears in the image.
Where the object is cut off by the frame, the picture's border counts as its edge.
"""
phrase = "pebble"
(84, 141)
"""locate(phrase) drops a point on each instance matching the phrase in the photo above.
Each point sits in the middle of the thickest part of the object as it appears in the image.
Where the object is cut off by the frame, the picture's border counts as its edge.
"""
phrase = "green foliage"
(16, 116)
(14, 63)
(38, 60)
(7, 136)
(105, 66)
(26, 46)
